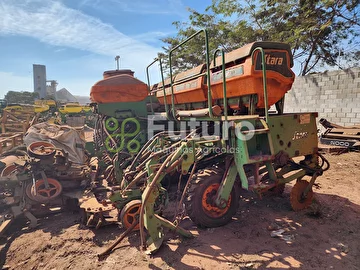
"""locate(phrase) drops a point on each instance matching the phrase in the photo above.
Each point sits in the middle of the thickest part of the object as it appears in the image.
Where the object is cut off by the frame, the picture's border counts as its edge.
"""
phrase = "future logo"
(125, 140)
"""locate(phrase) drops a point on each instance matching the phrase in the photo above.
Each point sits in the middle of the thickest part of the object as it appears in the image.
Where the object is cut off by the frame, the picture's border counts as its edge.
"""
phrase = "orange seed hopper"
(243, 78)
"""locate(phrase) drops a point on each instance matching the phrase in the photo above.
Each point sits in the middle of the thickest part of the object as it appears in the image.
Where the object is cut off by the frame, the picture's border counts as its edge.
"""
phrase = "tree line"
(319, 32)
(23, 97)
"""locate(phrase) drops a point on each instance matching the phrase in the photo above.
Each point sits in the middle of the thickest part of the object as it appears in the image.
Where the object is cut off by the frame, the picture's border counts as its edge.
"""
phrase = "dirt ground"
(325, 236)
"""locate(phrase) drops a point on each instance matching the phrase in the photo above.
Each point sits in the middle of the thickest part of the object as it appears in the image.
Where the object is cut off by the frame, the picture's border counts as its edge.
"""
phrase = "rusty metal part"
(326, 124)
(278, 189)
(174, 165)
(281, 159)
(340, 136)
(61, 161)
(166, 151)
(180, 204)
(298, 200)
(109, 174)
(133, 182)
(112, 246)
(94, 213)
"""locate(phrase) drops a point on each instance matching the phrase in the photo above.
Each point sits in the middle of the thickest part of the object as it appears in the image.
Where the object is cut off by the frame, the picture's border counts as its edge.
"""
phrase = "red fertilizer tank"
(118, 86)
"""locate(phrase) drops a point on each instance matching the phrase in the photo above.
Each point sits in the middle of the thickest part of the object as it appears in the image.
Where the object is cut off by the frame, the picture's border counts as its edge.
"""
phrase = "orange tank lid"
(111, 73)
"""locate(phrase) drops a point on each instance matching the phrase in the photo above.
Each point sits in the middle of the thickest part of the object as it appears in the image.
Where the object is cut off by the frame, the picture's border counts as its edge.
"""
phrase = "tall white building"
(39, 72)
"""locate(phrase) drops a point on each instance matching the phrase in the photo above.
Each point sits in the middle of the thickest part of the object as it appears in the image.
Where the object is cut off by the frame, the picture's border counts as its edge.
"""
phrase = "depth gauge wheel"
(43, 194)
(200, 202)
(130, 214)
(297, 199)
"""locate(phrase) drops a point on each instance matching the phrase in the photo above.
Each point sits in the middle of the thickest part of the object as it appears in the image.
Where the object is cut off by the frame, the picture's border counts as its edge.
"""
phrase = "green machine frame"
(271, 148)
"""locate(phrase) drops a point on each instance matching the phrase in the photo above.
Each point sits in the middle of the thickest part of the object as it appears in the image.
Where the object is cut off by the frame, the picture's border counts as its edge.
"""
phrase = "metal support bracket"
(226, 185)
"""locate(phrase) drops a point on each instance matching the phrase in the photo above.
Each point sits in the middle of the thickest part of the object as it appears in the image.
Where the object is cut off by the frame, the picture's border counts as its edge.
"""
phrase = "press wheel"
(130, 214)
(297, 199)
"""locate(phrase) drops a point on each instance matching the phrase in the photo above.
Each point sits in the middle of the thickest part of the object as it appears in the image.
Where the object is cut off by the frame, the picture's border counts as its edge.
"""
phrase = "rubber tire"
(193, 202)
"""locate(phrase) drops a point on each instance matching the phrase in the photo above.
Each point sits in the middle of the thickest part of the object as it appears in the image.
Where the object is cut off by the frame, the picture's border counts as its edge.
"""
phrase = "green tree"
(318, 31)
(222, 34)
(23, 97)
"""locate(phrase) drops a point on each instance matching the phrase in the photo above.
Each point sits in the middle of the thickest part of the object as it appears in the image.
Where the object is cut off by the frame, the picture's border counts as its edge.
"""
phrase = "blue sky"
(78, 39)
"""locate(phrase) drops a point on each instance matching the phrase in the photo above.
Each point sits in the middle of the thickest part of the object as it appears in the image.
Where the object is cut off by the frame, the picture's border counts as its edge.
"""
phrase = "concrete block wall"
(335, 95)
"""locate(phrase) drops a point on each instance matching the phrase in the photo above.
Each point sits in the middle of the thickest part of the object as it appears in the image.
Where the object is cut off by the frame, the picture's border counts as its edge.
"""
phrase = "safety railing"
(208, 78)
(211, 115)
(224, 79)
(263, 65)
(163, 84)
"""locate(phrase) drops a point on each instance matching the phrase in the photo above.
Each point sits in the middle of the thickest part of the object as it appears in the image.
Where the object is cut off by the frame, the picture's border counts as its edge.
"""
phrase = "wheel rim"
(44, 194)
(9, 170)
(42, 148)
(208, 202)
(131, 215)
